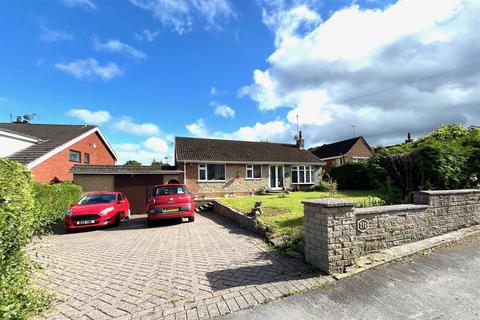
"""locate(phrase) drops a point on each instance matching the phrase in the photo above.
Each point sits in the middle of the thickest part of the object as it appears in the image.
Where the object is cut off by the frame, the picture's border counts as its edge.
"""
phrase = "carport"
(136, 182)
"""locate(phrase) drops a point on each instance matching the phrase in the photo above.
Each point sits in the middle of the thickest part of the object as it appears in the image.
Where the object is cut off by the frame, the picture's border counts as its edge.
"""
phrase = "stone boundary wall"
(240, 218)
(336, 233)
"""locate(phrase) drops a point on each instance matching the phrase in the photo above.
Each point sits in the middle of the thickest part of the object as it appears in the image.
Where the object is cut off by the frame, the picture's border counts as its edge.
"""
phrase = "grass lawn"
(284, 215)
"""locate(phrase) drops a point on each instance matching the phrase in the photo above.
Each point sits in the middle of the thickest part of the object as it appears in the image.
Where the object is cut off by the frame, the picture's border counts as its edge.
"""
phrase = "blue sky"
(147, 70)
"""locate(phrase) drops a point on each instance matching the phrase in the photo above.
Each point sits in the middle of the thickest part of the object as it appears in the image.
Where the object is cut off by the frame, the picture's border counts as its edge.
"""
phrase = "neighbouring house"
(341, 152)
(136, 182)
(50, 150)
(214, 167)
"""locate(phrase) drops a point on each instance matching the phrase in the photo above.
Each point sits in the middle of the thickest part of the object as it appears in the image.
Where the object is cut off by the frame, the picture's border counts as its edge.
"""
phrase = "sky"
(146, 71)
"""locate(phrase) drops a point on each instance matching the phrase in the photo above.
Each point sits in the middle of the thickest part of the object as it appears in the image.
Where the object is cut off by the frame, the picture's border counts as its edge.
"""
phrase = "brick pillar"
(330, 231)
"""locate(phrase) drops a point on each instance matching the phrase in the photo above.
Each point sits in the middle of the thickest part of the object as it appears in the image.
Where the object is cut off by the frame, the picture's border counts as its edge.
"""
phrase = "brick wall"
(336, 233)
(59, 165)
(359, 149)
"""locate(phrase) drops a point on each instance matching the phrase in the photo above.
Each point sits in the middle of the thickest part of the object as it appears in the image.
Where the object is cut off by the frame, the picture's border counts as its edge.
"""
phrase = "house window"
(303, 174)
(254, 171)
(86, 158)
(75, 156)
(211, 172)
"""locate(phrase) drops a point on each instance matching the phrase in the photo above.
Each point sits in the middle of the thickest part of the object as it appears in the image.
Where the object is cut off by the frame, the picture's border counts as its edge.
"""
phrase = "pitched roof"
(122, 169)
(336, 149)
(215, 150)
(50, 137)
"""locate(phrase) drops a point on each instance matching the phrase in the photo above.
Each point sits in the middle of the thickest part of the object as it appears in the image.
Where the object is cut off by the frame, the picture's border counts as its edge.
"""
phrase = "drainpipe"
(184, 172)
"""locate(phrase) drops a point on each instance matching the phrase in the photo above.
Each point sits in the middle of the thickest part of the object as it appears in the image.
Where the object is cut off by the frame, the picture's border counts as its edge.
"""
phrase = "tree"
(156, 162)
(132, 163)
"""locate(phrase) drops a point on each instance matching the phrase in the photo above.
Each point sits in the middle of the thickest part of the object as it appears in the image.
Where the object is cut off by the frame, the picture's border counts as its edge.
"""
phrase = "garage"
(136, 182)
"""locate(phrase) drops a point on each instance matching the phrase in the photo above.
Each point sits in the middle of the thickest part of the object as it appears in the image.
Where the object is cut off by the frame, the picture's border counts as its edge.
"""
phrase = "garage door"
(137, 188)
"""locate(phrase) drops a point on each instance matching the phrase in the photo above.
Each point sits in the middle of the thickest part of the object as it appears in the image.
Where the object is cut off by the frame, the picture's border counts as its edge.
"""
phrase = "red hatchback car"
(97, 209)
(169, 201)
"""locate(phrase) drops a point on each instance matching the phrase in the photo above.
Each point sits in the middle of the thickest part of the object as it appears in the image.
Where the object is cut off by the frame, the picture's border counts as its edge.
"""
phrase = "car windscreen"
(167, 191)
(98, 198)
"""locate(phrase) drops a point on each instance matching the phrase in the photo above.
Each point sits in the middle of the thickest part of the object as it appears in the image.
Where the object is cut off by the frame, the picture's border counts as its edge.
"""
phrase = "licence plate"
(170, 210)
(85, 222)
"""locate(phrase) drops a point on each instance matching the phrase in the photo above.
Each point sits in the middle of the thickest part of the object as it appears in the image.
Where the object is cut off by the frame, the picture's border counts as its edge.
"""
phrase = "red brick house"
(214, 167)
(50, 150)
(338, 153)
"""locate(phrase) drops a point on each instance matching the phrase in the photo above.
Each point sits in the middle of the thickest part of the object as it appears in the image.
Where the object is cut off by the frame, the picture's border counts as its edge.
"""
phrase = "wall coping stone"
(330, 203)
(392, 208)
(447, 192)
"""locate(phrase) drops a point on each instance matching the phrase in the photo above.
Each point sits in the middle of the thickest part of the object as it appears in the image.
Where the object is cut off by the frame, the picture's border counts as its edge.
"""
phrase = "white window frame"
(251, 168)
(204, 166)
(308, 171)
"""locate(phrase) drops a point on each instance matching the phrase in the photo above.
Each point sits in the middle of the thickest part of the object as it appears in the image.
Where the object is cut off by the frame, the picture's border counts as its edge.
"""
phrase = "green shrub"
(53, 200)
(19, 299)
(353, 176)
(448, 158)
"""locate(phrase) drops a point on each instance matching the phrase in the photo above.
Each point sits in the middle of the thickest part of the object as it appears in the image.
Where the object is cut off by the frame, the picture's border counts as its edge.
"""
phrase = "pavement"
(443, 283)
(197, 270)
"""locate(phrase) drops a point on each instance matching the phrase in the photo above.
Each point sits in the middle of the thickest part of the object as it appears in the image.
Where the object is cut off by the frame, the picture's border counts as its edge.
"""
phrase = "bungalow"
(50, 150)
(214, 167)
(341, 152)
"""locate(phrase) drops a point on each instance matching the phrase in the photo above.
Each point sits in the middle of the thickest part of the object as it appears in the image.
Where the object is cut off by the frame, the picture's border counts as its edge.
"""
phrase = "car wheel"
(149, 223)
(117, 220)
(128, 215)
(191, 219)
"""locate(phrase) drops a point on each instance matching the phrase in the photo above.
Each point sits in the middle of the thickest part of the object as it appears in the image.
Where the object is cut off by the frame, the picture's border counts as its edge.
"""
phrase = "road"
(444, 284)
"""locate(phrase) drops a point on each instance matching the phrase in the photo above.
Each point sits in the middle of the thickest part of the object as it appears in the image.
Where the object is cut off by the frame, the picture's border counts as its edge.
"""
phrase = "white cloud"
(116, 46)
(213, 91)
(126, 124)
(146, 35)
(90, 68)
(51, 35)
(144, 152)
(273, 131)
(182, 15)
(224, 111)
(319, 65)
(90, 117)
(89, 4)
(198, 128)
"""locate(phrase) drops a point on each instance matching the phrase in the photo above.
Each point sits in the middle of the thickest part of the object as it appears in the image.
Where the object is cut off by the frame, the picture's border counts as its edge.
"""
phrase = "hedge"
(353, 176)
(25, 210)
(448, 158)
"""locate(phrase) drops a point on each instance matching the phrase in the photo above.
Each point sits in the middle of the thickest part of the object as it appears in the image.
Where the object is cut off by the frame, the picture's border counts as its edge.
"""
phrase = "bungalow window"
(254, 171)
(211, 172)
(86, 158)
(303, 174)
(75, 156)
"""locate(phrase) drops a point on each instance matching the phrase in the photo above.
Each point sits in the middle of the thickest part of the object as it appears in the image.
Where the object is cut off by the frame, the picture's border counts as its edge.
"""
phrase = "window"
(168, 191)
(75, 156)
(303, 174)
(211, 172)
(98, 198)
(86, 158)
(254, 171)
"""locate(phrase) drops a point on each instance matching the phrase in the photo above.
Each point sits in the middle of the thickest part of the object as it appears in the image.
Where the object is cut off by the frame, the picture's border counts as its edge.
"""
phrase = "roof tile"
(213, 150)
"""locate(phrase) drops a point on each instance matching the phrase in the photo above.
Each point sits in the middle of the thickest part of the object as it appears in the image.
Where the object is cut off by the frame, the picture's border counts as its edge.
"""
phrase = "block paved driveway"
(174, 271)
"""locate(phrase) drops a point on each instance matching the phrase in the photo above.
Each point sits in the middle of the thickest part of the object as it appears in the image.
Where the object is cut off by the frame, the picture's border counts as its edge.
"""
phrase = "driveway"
(445, 284)
(174, 271)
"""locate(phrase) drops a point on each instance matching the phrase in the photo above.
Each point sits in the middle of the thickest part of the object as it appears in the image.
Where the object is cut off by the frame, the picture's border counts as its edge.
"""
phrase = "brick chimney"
(299, 140)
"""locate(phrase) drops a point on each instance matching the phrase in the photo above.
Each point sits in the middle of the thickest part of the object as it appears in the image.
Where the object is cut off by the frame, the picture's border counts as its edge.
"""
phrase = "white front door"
(276, 177)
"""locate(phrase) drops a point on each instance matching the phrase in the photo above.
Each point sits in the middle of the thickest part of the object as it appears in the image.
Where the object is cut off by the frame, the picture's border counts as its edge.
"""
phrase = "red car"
(97, 209)
(169, 201)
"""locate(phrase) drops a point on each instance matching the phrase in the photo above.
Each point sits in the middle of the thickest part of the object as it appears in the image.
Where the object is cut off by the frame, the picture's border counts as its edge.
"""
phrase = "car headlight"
(106, 210)
(69, 213)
